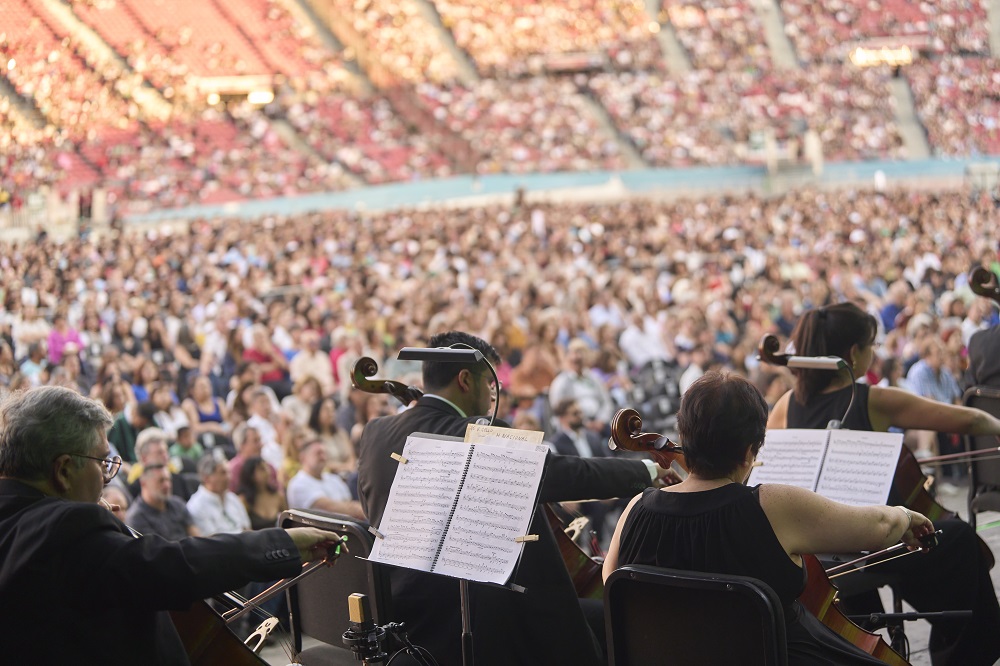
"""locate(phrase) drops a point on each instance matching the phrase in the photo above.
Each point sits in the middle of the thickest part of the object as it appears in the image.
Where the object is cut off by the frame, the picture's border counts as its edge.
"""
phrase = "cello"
(819, 596)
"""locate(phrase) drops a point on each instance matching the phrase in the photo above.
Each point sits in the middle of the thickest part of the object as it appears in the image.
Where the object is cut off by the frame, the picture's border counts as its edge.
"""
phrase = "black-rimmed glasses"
(110, 465)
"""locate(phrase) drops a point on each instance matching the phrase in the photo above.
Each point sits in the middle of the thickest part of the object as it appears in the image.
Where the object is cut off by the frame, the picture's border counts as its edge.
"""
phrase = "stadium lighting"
(260, 97)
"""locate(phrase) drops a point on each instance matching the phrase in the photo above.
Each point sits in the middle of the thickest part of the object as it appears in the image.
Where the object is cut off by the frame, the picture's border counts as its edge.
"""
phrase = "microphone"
(364, 637)
(767, 351)
(815, 362)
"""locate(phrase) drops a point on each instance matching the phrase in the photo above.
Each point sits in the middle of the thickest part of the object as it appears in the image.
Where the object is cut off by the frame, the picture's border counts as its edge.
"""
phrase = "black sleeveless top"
(723, 530)
(824, 407)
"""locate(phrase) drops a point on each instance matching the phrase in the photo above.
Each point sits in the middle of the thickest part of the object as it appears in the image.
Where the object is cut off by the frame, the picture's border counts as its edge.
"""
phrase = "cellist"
(955, 575)
(711, 522)
(77, 588)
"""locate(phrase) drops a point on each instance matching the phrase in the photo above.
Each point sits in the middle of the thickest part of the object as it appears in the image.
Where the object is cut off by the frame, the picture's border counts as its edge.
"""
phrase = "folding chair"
(656, 616)
(318, 607)
(984, 475)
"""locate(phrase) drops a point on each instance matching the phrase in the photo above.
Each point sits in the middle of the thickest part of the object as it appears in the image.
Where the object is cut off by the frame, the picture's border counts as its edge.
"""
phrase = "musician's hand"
(920, 525)
(312, 543)
(666, 476)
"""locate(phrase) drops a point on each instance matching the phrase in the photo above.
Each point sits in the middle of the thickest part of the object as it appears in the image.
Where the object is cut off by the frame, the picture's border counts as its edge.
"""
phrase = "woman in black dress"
(953, 576)
(712, 523)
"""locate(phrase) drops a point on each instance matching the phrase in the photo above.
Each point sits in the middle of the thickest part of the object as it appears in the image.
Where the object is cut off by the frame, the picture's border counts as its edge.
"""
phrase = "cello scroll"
(365, 368)
(984, 283)
(626, 433)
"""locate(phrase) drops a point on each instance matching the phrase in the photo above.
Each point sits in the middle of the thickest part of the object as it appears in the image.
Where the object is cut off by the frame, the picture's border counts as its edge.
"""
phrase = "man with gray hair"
(68, 560)
(215, 508)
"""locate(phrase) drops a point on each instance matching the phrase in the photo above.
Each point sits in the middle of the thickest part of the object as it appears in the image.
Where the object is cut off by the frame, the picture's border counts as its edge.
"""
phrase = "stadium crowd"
(228, 332)
(433, 117)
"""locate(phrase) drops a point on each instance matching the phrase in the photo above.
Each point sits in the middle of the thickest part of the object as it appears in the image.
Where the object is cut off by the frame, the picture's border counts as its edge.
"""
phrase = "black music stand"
(463, 354)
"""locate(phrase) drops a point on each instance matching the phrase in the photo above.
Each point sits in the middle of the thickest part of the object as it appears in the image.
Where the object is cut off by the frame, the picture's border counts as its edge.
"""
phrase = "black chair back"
(318, 607)
(984, 475)
(657, 616)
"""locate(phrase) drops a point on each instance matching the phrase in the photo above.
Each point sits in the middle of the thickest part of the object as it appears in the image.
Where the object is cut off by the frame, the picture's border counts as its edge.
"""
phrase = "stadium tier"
(167, 103)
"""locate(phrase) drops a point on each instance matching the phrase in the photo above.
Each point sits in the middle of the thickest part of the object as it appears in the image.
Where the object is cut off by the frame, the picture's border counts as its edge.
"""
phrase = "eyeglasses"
(110, 465)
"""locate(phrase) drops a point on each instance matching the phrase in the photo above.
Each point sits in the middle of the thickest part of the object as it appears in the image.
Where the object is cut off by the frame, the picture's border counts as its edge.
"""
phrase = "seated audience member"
(579, 382)
(712, 523)
(151, 449)
(186, 446)
(339, 449)
(248, 445)
(207, 415)
(133, 419)
(116, 499)
(311, 361)
(267, 422)
(216, 509)
(297, 406)
(571, 436)
(315, 488)
(169, 416)
(67, 559)
(260, 495)
(156, 510)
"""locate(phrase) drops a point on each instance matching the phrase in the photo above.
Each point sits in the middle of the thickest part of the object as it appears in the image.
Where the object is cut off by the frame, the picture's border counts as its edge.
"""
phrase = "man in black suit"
(77, 587)
(572, 437)
(545, 624)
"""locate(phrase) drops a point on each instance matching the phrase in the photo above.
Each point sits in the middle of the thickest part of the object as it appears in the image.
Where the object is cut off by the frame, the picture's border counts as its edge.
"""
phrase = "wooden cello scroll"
(626, 433)
(984, 283)
(365, 368)
(768, 349)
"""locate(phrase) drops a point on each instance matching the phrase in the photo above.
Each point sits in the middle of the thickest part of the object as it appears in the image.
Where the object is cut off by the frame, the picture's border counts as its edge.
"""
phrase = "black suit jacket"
(77, 588)
(984, 359)
(543, 625)
(565, 446)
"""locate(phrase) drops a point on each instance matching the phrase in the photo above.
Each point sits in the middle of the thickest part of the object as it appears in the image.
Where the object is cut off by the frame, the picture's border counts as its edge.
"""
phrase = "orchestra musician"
(712, 523)
(77, 586)
(955, 574)
(545, 624)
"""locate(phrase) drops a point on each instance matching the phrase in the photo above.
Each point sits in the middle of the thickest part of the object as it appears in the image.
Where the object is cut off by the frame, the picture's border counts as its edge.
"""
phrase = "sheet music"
(420, 502)
(792, 457)
(495, 507)
(860, 466)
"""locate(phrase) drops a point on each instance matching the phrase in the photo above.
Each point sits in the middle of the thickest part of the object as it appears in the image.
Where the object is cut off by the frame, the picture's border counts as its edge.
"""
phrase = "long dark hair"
(314, 423)
(246, 488)
(828, 331)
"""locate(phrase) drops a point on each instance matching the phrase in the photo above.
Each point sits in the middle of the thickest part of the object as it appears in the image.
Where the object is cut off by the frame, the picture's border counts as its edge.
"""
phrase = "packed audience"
(236, 340)
(958, 101)
(708, 118)
(824, 30)
(524, 126)
(720, 35)
(619, 30)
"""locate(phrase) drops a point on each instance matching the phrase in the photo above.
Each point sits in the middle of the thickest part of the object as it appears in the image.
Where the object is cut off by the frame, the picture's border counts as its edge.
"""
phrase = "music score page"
(457, 509)
(849, 466)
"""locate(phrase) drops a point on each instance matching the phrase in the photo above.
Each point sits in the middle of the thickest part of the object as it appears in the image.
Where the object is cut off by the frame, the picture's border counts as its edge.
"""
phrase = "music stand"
(461, 354)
